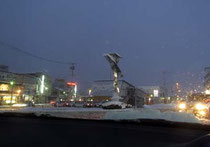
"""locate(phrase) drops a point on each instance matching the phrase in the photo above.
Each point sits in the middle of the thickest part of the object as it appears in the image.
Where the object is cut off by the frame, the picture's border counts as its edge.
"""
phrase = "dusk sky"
(152, 36)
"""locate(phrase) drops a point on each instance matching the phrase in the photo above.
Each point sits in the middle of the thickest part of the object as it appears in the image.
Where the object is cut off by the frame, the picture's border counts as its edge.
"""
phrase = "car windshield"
(106, 59)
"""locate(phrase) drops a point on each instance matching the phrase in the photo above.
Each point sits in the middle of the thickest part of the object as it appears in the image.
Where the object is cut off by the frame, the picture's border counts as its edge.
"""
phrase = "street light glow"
(12, 83)
(90, 91)
(19, 91)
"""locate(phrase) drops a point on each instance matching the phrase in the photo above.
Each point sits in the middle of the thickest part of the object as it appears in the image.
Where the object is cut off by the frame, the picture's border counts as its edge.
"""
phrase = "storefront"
(10, 94)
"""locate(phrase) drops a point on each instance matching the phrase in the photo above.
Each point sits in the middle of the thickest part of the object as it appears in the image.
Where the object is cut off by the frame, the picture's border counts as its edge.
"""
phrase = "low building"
(103, 90)
(9, 91)
(155, 94)
(4, 68)
(60, 90)
(19, 87)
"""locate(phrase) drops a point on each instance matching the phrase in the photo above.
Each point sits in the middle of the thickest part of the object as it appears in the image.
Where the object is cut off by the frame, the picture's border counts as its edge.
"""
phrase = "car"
(90, 104)
(62, 104)
(78, 104)
(129, 106)
(69, 104)
(201, 110)
(59, 104)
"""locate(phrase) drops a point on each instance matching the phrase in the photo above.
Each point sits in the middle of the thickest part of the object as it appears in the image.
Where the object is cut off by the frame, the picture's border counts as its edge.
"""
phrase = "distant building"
(60, 90)
(8, 92)
(155, 93)
(4, 68)
(103, 90)
(24, 87)
(44, 86)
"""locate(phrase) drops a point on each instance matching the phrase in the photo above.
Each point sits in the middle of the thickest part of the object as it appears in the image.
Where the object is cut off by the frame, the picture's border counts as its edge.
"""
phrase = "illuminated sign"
(156, 93)
(42, 85)
(74, 88)
(72, 84)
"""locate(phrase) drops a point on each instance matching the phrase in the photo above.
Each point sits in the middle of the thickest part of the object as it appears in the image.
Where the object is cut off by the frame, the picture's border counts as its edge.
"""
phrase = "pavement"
(21, 131)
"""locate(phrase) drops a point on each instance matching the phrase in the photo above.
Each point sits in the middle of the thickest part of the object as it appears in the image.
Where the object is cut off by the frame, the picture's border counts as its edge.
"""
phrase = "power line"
(32, 55)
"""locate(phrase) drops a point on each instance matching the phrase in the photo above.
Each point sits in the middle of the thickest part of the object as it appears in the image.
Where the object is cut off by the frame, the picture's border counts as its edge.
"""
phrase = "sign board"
(156, 93)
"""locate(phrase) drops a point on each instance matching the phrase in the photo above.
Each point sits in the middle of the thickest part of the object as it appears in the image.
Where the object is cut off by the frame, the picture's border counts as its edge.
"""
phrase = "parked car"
(90, 104)
(59, 104)
(69, 104)
(78, 104)
(63, 104)
(129, 106)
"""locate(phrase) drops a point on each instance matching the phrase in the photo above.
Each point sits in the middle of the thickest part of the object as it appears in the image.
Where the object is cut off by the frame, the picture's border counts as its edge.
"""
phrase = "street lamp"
(12, 83)
(90, 92)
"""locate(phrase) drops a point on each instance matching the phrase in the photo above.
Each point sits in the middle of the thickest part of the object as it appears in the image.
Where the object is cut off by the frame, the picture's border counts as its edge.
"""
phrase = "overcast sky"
(152, 36)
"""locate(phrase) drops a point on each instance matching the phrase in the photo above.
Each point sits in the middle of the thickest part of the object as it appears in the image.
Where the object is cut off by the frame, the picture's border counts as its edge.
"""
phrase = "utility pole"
(72, 68)
(72, 89)
(164, 84)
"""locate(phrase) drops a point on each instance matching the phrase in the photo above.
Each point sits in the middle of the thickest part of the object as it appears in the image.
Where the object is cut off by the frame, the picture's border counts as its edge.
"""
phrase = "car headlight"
(203, 113)
(200, 106)
(182, 106)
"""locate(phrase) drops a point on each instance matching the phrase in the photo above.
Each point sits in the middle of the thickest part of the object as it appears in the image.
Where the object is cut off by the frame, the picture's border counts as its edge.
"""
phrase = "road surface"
(20, 131)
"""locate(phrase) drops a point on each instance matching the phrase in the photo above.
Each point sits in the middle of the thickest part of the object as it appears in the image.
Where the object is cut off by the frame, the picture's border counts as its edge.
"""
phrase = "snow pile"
(113, 103)
(151, 114)
(161, 106)
(56, 109)
(62, 112)
(98, 114)
(116, 97)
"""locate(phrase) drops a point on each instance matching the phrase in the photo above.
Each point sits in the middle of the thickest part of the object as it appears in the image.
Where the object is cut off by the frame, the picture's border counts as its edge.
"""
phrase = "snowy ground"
(149, 112)
(162, 107)
(152, 114)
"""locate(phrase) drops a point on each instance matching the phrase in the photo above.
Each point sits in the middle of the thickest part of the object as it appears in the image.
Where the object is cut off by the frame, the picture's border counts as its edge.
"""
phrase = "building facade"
(155, 94)
(103, 90)
(60, 90)
(21, 88)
